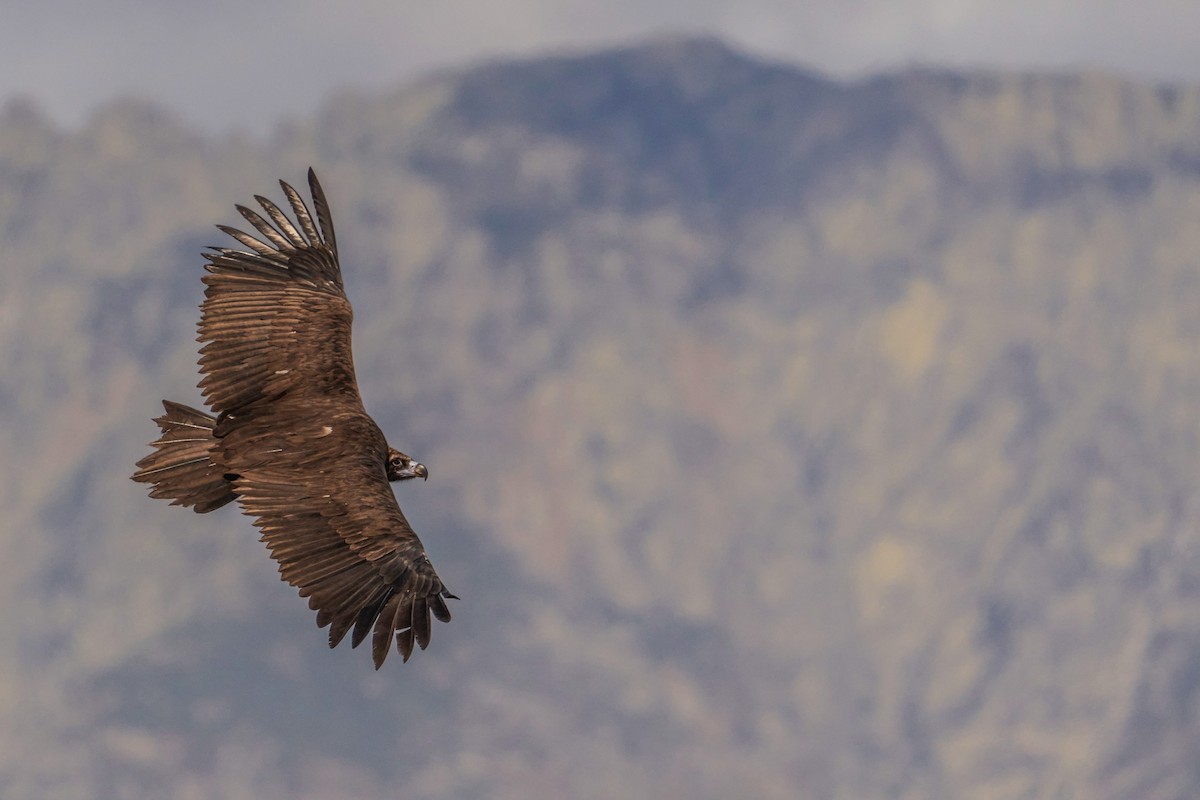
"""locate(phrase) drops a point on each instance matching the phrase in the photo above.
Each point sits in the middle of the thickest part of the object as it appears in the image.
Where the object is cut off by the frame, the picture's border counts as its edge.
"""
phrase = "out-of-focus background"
(811, 394)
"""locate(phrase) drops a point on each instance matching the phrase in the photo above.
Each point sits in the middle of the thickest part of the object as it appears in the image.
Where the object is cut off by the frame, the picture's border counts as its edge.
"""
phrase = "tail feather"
(181, 467)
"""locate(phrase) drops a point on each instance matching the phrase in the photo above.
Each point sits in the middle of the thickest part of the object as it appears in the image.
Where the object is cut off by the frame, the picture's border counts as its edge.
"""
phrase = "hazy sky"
(243, 64)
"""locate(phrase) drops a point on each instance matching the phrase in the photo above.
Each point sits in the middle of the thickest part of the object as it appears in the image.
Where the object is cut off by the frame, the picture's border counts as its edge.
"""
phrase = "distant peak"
(687, 47)
(24, 112)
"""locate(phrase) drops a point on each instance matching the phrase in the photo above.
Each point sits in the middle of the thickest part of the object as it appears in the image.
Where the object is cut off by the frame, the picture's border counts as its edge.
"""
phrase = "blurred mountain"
(788, 438)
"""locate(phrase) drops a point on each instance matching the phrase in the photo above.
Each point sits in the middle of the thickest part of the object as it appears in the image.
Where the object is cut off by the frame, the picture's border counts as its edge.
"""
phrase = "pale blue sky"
(228, 64)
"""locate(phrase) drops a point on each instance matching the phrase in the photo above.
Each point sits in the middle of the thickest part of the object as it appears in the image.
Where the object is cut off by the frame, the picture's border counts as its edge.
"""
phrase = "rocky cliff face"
(787, 438)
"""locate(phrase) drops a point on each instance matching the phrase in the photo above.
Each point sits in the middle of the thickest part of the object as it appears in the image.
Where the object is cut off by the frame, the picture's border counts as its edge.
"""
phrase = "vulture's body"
(290, 439)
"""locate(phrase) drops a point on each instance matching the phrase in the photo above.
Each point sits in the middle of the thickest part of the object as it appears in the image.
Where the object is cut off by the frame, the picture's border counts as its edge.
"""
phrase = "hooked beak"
(420, 471)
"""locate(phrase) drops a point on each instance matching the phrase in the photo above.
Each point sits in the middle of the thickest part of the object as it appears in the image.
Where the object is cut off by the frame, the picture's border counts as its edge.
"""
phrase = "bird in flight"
(289, 438)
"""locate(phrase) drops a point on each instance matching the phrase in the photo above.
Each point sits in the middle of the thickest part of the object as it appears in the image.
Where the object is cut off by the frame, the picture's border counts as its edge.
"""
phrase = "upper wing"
(275, 316)
(328, 516)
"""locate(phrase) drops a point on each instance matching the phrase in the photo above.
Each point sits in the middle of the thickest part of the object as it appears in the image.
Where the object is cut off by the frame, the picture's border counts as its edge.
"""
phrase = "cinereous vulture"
(288, 436)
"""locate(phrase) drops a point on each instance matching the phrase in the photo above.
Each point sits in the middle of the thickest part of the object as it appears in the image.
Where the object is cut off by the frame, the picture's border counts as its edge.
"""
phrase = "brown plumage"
(291, 440)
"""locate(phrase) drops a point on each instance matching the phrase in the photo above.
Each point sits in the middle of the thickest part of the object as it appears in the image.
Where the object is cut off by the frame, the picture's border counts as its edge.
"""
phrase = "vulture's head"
(400, 467)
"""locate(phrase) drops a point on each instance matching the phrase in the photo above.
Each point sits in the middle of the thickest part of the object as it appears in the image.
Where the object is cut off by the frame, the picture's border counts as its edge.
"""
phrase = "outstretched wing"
(318, 490)
(275, 315)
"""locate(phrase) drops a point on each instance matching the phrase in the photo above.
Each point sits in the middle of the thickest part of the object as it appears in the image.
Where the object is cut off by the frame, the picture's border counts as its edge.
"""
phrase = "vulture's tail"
(181, 467)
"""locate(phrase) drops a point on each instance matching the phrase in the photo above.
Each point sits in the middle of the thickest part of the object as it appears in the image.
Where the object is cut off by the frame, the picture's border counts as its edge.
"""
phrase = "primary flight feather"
(290, 439)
